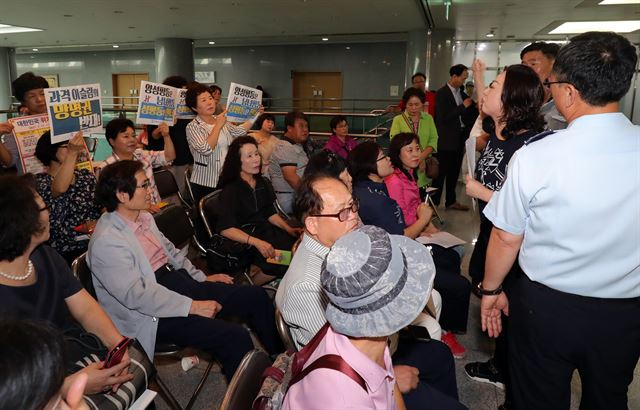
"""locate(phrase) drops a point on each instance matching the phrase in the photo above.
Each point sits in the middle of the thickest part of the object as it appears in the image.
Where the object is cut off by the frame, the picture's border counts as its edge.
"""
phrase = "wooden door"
(127, 85)
(311, 88)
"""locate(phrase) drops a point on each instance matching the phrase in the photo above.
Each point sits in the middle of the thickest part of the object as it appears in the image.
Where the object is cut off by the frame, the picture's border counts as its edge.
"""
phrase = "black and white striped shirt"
(207, 162)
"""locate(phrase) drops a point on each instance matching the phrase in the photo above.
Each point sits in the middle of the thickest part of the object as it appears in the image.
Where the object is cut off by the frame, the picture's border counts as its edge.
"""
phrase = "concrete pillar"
(441, 43)
(174, 56)
(416, 55)
(7, 74)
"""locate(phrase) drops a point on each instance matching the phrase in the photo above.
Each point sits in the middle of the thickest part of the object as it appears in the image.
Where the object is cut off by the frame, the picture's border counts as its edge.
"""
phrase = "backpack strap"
(334, 362)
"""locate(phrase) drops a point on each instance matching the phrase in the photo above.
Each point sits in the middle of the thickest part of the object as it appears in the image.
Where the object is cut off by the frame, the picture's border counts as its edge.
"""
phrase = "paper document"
(144, 400)
(444, 239)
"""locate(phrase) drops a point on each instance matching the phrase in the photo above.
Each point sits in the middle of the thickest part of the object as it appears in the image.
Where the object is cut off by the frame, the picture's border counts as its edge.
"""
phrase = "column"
(440, 54)
(174, 56)
(416, 55)
(7, 74)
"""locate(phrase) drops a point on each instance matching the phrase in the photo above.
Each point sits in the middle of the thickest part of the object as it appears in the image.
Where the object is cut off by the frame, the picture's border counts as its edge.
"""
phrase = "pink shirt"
(148, 241)
(338, 147)
(405, 192)
(330, 389)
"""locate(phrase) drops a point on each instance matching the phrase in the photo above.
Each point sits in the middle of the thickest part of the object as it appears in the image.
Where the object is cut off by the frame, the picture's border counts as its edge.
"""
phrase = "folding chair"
(190, 199)
(167, 186)
(284, 332)
(246, 381)
(175, 224)
(81, 270)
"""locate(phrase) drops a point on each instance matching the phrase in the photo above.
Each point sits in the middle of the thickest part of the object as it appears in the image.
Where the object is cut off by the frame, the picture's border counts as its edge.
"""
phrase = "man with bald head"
(425, 371)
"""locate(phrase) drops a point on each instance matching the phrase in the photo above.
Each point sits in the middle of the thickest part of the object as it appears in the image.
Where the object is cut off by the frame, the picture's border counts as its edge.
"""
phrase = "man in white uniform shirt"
(571, 206)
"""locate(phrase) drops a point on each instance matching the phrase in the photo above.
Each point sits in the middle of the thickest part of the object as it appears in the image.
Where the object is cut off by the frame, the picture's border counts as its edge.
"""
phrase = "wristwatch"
(485, 292)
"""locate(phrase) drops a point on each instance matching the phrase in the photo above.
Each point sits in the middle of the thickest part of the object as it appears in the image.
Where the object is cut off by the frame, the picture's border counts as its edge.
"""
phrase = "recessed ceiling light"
(612, 2)
(490, 35)
(34, 49)
(325, 38)
(8, 29)
(575, 27)
(212, 42)
(348, 48)
(115, 46)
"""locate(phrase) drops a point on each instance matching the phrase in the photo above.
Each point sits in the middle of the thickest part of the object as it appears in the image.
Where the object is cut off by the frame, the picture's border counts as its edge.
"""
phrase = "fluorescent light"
(212, 42)
(490, 34)
(8, 29)
(34, 49)
(325, 39)
(575, 27)
(115, 46)
(612, 2)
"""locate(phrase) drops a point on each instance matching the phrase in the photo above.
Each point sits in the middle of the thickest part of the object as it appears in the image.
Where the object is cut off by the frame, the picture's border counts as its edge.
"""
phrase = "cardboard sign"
(243, 102)
(27, 131)
(157, 104)
(73, 109)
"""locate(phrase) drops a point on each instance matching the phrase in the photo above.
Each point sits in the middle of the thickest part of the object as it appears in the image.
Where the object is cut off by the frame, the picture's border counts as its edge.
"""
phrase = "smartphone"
(114, 356)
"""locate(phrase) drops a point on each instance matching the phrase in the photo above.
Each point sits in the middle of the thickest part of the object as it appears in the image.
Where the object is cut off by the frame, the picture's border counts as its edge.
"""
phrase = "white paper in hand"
(444, 239)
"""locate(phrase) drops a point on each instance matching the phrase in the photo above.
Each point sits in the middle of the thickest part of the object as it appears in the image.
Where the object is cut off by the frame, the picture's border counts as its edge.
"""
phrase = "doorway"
(127, 85)
(311, 89)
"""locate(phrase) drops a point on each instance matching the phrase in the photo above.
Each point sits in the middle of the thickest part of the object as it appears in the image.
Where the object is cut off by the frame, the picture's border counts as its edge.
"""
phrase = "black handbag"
(225, 255)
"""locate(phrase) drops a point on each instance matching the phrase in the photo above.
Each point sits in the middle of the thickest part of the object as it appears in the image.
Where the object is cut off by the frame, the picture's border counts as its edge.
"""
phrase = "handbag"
(432, 167)
(84, 348)
(225, 255)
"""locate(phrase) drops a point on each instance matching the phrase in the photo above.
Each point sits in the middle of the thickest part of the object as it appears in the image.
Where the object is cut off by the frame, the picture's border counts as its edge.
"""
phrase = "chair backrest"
(174, 223)
(81, 270)
(246, 381)
(166, 183)
(208, 206)
(283, 331)
(187, 182)
(91, 144)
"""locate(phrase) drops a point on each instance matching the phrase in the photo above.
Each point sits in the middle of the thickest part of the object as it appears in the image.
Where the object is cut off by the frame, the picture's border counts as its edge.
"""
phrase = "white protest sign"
(73, 109)
(157, 104)
(243, 102)
(182, 111)
(27, 132)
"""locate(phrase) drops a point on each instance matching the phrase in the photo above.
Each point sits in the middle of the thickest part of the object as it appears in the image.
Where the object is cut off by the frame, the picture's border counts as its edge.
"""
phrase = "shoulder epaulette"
(538, 137)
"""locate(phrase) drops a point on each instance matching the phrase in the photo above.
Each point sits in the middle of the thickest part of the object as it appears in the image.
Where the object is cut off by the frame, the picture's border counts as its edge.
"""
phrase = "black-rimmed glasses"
(343, 215)
(146, 184)
(547, 83)
(382, 158)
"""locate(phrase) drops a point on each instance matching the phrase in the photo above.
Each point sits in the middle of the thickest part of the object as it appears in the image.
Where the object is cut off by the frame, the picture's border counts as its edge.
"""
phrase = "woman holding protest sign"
(209, 137)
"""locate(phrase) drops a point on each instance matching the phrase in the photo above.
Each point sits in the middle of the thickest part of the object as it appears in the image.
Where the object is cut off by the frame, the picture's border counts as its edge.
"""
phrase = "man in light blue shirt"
(571, 207)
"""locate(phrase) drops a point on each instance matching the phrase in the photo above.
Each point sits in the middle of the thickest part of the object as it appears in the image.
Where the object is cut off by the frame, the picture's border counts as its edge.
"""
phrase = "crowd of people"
(557, 268)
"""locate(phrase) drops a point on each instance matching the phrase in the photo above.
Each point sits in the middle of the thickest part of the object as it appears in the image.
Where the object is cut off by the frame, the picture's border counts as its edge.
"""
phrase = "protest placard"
(27, 131)
(182, 111)
(243, 102)
(157, 104)
(73, 109)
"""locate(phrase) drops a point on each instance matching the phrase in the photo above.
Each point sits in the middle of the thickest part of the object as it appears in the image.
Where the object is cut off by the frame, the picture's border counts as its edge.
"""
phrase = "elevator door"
(127, 85)
(312, 89)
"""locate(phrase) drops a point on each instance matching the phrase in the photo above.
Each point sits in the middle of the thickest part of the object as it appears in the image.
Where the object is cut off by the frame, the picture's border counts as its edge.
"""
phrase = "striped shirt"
(300, 297)
(207, 162)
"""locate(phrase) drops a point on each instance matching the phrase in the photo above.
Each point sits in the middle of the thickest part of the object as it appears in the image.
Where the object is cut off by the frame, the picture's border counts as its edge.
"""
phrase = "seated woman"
(37, 284)
(455, 289)
(415, 120)
(28, 384)
(328, 163)
(121, 135)
(247, 213)
(265, 125)
(68, 192)
(340, 143)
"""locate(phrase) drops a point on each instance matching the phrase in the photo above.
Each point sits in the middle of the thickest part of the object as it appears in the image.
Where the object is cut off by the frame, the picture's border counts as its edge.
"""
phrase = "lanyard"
(413, 126)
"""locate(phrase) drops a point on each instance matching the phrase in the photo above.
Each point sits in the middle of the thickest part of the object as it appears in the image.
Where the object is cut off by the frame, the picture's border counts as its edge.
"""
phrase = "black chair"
(167, 186)
(246, 381)
(190, 199)
(175, 224)
(91, 144)
(284, 332)
(81, 270)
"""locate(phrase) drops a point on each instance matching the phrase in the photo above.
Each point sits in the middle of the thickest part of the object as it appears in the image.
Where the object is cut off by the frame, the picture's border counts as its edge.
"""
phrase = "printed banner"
(157, 104)
(73, 109)
(182, 111)
(27, 131)
(243, 102)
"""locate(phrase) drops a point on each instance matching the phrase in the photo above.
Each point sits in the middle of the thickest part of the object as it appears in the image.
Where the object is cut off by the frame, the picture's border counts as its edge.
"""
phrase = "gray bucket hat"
(376, 283)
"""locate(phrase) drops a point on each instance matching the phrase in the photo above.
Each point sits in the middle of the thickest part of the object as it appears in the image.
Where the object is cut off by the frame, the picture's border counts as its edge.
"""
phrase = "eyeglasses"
(343, 215)
(146, 184)
(44, 208)
(382, 158)
(547, 83)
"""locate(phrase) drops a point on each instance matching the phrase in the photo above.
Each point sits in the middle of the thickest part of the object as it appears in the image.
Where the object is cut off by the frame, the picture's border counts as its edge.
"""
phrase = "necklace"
(23, 277)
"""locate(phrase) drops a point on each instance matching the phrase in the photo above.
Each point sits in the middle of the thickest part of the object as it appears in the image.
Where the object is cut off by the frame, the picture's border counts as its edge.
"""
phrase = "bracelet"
(248, 238)
(485, 292)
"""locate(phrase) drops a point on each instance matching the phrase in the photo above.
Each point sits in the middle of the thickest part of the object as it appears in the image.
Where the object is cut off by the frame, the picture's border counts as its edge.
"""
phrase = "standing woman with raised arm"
(513, 101)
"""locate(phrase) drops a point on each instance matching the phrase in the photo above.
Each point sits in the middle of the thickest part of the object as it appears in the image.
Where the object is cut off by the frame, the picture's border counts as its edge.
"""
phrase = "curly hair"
(194, 89)
(325, 162)
(395, 146)
(413, 92)
(117, 177)
(19, 215)
(27, 82)
(233, 163)
(522, 97)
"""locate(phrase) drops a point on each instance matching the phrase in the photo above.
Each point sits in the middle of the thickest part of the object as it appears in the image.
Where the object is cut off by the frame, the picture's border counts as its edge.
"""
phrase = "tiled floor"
(476, 396)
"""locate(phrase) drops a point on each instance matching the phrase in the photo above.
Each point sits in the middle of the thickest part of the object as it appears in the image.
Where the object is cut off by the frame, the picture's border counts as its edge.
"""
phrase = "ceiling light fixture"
(490, 34)
(348, 48)
(617, 2)
(212, 42)
(34, 49)
(8, 29)
(115, 46)
(325, 38)
(575, 27)
(447, 4)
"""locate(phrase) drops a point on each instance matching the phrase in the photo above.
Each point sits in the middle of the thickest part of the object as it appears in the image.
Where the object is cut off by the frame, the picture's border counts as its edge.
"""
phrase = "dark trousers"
(551, 333)
(228, 342)
(454, 288)
(437, 388)
(279, 239)
(450, 163)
